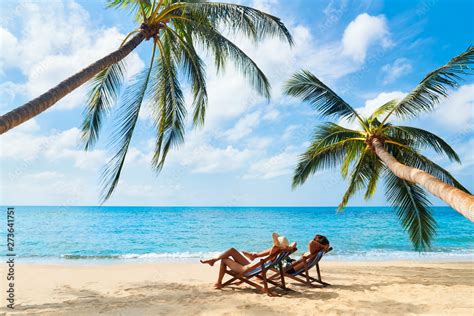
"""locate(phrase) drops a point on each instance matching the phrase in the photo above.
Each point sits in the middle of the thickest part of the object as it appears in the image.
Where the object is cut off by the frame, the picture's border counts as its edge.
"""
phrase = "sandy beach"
(361, 288)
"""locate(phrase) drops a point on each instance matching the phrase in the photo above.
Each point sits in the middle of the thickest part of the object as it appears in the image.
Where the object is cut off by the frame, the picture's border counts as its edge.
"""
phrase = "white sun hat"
(280, 241)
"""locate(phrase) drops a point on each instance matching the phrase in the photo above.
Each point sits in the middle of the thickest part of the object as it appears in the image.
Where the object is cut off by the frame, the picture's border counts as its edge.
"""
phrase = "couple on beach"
(242, 262)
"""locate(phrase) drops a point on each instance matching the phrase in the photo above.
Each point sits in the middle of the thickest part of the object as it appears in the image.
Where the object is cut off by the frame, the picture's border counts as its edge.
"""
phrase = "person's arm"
(267, 252)
(264, 253)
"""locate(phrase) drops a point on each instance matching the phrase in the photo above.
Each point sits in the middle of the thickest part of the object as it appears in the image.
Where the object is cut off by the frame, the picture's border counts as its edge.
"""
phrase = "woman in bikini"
(315, 245)
(241, 262)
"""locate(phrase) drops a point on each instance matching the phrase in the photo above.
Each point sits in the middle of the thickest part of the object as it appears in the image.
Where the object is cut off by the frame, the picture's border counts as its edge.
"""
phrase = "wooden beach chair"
(302, 275)
(259, 271)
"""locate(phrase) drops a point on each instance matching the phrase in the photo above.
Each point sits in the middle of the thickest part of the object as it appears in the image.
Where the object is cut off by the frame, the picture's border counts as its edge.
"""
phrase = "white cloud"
(265, 5)
(209, 159)
(465, 151)
(133, 190)
(457, 111)
(272, 167)
(60, 190)
(399, 68)
(8, 90)
(29, 126)
(8, 45)
(46, 176)
(364, 32)
(23, 145)
(290, 131)
(68, 41)
(243, 127)
(231, 96)
(201, 155)
(259, 143)
(272, 115)
(371, 105)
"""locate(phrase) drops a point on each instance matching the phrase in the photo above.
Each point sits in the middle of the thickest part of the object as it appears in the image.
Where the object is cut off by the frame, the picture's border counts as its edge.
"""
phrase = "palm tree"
(176, 29)
(380, 148)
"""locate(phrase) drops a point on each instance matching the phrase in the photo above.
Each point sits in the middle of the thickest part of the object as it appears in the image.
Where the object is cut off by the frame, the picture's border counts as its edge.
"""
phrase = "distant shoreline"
(92, 260)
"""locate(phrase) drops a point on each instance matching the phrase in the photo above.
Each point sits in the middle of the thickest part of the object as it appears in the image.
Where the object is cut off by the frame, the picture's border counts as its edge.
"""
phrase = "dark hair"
(321, 239)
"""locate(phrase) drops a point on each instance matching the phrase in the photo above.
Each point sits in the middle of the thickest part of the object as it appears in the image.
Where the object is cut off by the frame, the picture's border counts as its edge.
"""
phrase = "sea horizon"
(117, 234)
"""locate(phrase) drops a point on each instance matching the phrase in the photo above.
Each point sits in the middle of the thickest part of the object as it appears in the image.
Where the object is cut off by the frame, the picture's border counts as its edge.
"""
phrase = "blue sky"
(367, 51)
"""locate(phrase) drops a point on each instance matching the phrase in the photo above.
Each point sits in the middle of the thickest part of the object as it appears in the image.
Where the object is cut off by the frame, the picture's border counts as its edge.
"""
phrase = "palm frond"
(360, 177)
(241, 20)
(435, 86)
(384, 108)
(308, 88)
(330, 133)
(377, 168)
(320, 157)
(104, 90)
(194, 70)
(139, 8)
(123, 132)
(223, 50)
(352, 153)
(169, 106)
(413, 210)
(419, 138)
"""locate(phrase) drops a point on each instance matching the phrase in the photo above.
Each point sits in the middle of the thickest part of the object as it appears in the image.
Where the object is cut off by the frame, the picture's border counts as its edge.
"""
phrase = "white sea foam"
(379, 255)
(461, 255)
(170, 255)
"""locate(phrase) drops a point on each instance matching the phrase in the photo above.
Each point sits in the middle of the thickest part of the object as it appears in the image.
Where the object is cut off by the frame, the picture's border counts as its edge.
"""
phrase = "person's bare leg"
(220, 277)
(234, 266)
(232, 252)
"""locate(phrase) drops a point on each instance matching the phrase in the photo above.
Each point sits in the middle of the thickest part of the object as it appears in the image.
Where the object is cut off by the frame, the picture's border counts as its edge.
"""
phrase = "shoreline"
(154, 258)
(389, 287)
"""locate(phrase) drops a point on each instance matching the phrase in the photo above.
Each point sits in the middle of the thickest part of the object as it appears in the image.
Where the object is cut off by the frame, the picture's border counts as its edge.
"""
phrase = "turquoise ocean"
(124, 234)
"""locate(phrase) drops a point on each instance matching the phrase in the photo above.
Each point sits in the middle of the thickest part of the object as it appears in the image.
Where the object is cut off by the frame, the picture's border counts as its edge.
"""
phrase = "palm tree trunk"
(456, 198)
(46, 100)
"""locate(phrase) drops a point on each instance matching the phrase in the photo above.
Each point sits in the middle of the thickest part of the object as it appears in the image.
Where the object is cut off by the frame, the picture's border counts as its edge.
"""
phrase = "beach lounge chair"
(302, 275)
(259, 271)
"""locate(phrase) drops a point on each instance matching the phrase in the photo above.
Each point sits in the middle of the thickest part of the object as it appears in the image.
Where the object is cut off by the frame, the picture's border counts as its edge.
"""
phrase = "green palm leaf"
(305, 86)
(384, 108)
(104, 90)
(224, 50)
(325, 137)
(194, 70)
(139, 8)
(330, 133)
(320, 157)
(419, 138)
(168, 105)
(434, 86)
(240, 19)
(377, 168)
(413, 210)
(353, 151)
(122, 135)
(360, 177)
